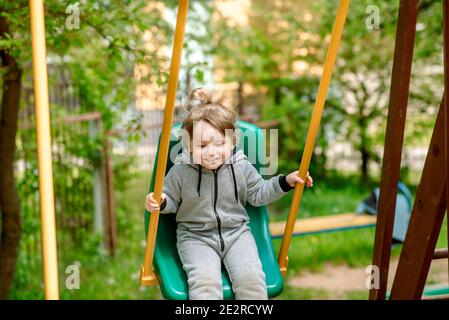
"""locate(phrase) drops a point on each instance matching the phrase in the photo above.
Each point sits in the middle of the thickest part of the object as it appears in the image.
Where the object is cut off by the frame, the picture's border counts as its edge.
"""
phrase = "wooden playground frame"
(432, 195)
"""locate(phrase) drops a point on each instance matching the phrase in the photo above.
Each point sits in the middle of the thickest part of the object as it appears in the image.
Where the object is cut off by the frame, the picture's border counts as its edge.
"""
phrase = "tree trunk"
(9, 199)
(240, 98)
(277, 95)
(365, 160)
(321, 161)
(364, 152)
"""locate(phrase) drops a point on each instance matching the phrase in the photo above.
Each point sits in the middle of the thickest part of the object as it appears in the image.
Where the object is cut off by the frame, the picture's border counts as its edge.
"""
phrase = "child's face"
(209, 147)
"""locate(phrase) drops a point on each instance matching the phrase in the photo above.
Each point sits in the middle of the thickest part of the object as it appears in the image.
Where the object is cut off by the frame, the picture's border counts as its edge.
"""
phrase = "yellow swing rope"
(313, 130)
(147, 275)
(46, 193)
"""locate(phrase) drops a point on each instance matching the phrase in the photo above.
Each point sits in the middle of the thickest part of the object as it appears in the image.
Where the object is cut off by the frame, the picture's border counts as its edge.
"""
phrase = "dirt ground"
(339, 281)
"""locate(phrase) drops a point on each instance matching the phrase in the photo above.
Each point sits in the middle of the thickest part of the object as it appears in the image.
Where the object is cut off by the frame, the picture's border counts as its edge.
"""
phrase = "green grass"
(105, 277)
(340, 194)
(353, 248)
(357, 295)
(101, 276)
(291, 293)
(335, 195)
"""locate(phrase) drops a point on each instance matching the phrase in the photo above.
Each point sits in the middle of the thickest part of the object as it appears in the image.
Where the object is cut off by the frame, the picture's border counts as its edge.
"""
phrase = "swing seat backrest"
(171, 276)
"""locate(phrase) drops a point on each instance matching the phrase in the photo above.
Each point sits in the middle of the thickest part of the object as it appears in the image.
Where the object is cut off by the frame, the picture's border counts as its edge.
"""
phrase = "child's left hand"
(293, 178)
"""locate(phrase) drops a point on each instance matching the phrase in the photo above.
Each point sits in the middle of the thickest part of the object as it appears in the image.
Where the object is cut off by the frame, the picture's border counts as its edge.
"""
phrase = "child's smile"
(210, 148)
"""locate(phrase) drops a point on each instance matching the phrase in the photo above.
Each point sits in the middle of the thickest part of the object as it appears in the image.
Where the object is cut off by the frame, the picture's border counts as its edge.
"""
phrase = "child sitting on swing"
(208, 188)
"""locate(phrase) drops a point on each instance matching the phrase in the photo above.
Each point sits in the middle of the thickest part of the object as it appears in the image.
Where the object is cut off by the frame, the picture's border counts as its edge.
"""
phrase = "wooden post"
(400, 80)
(440, 254)
(425, 221)
(446, 96)
(45, 165)
(109, 218)
(98, 187)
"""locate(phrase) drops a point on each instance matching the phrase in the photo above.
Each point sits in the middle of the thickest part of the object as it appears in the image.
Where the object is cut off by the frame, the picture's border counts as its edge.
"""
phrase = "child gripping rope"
(208, 188)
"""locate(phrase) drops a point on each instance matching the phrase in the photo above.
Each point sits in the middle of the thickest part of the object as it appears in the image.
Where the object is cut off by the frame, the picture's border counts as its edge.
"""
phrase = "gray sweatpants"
(202, 263)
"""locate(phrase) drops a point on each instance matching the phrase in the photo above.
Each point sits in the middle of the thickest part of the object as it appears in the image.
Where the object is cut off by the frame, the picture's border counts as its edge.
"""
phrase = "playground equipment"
(432, 195)
(363, 217)
(46, 193)
(323, 224)
(402, 210)
(148, 277)
(171, 276)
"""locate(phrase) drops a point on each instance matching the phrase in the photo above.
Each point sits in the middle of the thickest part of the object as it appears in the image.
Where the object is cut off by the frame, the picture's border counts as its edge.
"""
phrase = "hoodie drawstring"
(199, 181)
(233, 180)
(235, 184)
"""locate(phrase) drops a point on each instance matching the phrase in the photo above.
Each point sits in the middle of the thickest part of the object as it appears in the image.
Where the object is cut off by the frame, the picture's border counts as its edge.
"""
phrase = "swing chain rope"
(313, 130)
(45, 166)
(147, 275)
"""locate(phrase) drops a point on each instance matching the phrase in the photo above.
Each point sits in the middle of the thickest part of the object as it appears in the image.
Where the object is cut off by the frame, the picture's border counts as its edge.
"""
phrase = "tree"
(283, 34)
(363, 70)
(100, 55)
(278, 53)
(9, 200)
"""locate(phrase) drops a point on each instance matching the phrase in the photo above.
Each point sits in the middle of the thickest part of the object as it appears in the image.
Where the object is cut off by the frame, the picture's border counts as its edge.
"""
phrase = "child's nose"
(211, 150)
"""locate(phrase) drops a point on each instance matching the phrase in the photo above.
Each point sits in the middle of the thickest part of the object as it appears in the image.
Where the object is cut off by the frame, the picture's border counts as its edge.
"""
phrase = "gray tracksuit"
(212, 223)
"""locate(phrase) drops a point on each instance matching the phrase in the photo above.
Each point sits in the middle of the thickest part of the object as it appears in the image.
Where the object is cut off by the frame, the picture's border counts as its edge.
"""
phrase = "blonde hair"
(201, 105)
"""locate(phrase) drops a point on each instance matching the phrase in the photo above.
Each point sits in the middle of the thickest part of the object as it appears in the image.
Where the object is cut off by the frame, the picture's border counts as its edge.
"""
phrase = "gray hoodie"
(211, 203)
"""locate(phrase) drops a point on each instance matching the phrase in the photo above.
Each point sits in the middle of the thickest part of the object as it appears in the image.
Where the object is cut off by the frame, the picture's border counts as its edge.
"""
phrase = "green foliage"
(266, 48)
(294, 113)
(99, 60)
(95, 64)
(282, 35)
(363, 73)
(103, 277)
(99, 56)
(335, 194)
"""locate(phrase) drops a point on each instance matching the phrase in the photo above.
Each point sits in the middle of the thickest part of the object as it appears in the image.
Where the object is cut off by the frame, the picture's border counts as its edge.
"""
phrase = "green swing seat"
(171, 276)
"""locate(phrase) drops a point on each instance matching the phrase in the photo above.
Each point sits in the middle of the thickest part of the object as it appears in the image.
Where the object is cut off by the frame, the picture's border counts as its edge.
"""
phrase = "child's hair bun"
(200, 97)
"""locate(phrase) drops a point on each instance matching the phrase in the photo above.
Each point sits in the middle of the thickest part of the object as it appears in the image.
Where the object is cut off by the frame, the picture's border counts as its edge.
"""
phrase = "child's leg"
(203, 267)
(245, 269)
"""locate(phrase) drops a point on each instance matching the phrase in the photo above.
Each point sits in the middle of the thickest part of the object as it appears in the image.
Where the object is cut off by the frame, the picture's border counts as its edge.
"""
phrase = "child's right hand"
(151, 204)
